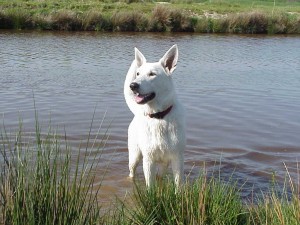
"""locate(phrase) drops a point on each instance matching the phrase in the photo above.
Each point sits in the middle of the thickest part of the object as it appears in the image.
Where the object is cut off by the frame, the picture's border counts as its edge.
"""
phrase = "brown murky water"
(241, 95)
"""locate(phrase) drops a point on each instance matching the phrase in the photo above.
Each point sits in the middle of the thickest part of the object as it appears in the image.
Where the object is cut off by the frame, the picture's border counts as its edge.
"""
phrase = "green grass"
(44, 181)
(202, 201)
(214, 16)
(209, 201)
(279, 206)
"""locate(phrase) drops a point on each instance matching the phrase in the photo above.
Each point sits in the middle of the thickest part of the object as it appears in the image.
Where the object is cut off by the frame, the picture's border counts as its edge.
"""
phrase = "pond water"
(241, 95)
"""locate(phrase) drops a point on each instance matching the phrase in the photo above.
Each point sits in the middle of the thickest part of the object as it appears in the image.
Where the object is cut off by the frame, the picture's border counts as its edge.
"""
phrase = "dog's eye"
(138, 73)
(151, 74)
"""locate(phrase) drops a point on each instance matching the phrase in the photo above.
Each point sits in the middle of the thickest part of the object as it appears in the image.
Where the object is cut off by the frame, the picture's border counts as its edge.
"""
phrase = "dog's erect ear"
(169, 60)
(139, 57)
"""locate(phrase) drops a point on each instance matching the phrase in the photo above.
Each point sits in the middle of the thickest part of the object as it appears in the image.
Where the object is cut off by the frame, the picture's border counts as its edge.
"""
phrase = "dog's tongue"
(138, 98)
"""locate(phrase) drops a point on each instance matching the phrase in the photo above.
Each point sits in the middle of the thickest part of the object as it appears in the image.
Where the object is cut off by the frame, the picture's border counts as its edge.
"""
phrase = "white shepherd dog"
(157, 131)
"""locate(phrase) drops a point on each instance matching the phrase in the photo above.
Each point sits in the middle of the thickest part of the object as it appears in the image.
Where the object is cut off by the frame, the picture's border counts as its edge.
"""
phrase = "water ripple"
(241, 93)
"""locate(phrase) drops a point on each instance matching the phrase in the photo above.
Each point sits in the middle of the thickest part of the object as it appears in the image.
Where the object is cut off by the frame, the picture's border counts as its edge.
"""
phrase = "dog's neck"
(161, 115)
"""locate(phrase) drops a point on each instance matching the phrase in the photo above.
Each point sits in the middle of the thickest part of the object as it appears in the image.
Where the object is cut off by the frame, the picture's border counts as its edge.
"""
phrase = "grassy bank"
(44, 181)
(214, 16)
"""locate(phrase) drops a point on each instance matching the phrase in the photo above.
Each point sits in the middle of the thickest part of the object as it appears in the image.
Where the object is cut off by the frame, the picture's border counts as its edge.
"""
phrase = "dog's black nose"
(134, 86)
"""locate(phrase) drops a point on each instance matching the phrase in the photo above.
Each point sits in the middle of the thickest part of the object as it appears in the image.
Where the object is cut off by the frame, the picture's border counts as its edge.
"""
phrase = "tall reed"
(209, 200)
(39, 183)
(96, 21)
(278, 207)
(203, 201)
(129, 21)
(159, 19)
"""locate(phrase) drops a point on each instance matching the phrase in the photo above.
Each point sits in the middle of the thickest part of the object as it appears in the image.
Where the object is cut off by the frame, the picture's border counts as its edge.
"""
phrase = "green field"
(214, 16)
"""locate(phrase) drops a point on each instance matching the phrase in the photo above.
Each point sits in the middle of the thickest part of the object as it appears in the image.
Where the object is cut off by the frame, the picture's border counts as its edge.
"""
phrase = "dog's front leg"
(134, 151)
(149, 169)
(135, 156)
(177, 168)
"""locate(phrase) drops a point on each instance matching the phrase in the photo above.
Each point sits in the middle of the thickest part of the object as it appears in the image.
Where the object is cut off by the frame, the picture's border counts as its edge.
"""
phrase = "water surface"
(241, 96)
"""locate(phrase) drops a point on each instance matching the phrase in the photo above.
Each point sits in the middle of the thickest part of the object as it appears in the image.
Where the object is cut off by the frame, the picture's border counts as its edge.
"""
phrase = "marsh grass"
(65, 20)
(268, 17)
(129, 21)
(249, 23)
(44, 181)
(16, 18)
(210, 200)
(202, 201)
(280, 23)
(159, 19)
(276, 210)
(278, 207)
(94, 20)
(180, 22)
(39, 183)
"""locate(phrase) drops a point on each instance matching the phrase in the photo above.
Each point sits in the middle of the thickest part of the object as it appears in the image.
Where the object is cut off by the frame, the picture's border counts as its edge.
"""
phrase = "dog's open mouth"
(142, 99)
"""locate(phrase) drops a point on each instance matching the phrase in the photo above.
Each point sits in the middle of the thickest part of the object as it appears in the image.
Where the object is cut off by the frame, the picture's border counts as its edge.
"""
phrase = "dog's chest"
(157, 135)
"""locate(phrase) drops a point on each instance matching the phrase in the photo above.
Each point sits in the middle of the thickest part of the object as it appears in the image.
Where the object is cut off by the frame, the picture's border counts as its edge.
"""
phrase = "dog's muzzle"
(138, 97)
(134, 87)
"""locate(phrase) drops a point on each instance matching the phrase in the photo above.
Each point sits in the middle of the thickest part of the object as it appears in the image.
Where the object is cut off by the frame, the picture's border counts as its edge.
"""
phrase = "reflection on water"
(241, 95)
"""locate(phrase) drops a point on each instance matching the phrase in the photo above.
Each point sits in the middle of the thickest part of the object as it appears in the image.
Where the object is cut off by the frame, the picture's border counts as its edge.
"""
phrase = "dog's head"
(148, 86)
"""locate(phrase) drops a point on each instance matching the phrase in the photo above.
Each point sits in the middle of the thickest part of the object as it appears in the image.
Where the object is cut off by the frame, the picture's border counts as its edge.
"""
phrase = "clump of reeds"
(203, 201)
(180, 22)
(278, 207)
(94, 20)
(65, 20)
(208, 200)
(204, 25)
(39, 183)
(159, 19)
(244, 23)
(283, 23)
(175, 20)
(5, 21)
(276, 210)
(15, 18)
(249, 23)
(129, 21)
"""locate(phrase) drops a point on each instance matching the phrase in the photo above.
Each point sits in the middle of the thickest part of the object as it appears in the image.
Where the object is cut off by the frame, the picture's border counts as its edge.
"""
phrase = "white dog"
(157, 131)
